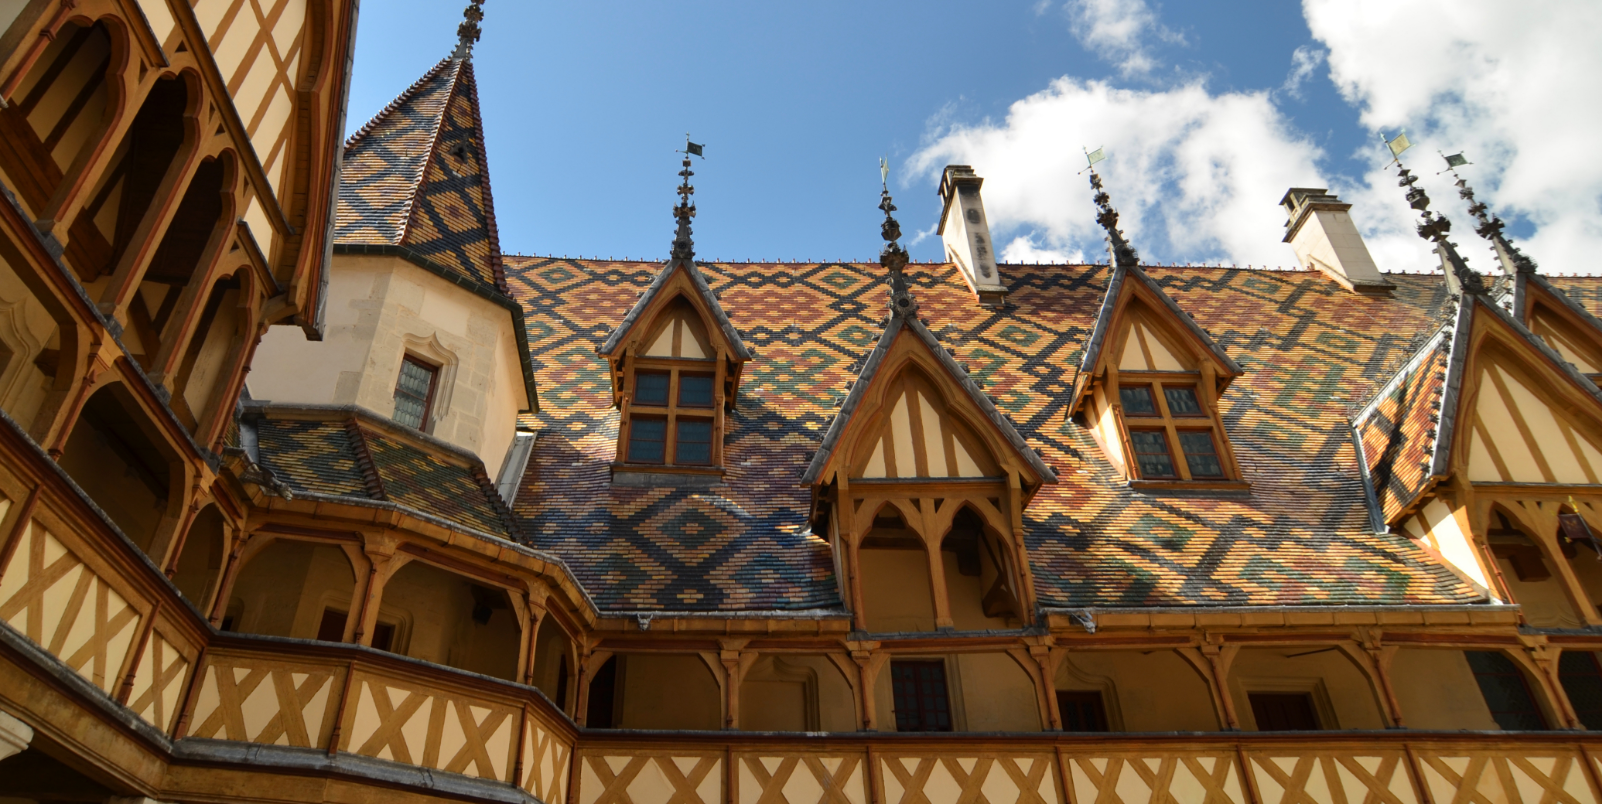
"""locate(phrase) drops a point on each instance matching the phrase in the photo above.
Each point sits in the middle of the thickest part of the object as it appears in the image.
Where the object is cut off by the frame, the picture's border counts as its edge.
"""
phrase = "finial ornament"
(683, 247)
(1491, 228)
(1121, 252)
(468, 31)
(894, 257)
(1434, 227)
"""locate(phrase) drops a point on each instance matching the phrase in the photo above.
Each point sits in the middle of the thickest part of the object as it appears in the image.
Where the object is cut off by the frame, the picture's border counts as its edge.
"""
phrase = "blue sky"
(585, 103)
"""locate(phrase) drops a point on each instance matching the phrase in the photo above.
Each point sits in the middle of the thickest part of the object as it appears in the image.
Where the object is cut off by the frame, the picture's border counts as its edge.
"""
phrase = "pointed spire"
(1434, 227)
(1491, 228)
(468, 32)
(894, 257)
(1121, 251)
(683, 247)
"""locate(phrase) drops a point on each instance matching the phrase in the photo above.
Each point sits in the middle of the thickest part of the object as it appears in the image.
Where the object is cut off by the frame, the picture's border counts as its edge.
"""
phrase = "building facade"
(485, 527)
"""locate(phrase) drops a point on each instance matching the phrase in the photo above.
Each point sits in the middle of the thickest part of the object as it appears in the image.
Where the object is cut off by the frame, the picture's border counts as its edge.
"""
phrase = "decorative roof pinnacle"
(683, 247)
(1434, 227)
(1121, 251)
(1491, 228)
(468, 31)
(894, 257)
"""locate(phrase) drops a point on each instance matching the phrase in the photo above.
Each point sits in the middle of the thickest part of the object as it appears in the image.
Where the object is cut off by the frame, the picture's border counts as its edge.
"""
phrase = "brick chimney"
(1324, 237)
(966, 236)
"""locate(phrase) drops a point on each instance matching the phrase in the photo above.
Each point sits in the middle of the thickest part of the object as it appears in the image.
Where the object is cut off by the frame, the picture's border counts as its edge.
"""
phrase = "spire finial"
(468, 32)
(1434, 227)
(684, 249)
(894, 257)
(1491, 228)
(1121, 251)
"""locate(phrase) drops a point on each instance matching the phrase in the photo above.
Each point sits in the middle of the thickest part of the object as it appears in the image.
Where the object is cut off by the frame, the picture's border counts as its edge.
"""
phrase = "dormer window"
(671, 418)
(1172, 436)
(1150, 386)
(414, 392)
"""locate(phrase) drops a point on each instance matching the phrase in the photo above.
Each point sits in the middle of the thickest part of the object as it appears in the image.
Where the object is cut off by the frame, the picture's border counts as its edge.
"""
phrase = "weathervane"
(1433, 226)
(468, 31)
(894, 257)
(1491, 228)
(1120, 250)
(683, 248)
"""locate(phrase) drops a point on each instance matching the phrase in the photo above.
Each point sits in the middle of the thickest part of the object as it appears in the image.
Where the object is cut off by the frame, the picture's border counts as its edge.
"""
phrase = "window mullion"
(671, 436)
(1182, 468)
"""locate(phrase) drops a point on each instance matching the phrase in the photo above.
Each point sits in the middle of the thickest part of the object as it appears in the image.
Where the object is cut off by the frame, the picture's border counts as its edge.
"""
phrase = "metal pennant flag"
(693, 149)
(1456, 160)
(1399, 144)
(1094, 157)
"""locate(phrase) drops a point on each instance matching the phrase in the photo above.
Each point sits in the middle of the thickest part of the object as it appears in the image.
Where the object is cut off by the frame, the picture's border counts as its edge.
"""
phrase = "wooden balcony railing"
(85, 595)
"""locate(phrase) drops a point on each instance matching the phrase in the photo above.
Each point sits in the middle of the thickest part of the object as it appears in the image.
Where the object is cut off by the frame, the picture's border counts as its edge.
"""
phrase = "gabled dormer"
(1567, 327)
(918, 471)
(1150, 381)
(675, 363)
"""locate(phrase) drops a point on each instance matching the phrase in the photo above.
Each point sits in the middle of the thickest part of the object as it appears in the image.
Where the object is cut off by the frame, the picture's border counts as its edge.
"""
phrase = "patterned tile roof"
(416, 176)
(1312, 353)
(340, 453)
(1400, 433)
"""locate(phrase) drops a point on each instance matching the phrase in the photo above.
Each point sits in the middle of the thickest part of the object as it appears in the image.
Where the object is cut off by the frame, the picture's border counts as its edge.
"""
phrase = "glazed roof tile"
(416, 176)
(1312, 353)
(344, 453)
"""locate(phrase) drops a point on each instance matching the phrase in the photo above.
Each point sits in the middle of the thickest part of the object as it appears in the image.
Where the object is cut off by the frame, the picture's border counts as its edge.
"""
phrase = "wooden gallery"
(308, 492)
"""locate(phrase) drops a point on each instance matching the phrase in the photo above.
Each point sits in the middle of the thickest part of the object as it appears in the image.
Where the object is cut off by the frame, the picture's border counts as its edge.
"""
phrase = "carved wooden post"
(940, 603)
(380, 550)
(536, 601)
(1219, 659)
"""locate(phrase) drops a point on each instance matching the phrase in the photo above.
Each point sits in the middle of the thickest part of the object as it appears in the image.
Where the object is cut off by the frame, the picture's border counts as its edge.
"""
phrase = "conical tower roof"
(416, 177)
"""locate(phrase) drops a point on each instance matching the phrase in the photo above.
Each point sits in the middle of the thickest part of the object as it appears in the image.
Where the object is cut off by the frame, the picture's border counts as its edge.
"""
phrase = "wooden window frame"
(919, 696)
(1172, 424)
(428, 397)
(673, 412)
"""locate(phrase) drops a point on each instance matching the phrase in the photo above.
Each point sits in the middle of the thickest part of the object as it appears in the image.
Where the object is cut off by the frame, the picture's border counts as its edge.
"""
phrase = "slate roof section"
(1311, 351)
(417, 176)
(1400, 430)
(343, 452)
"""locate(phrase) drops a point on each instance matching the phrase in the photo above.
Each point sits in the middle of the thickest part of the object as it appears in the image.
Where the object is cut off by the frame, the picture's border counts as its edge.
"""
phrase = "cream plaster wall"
(1571, 456)
(1436, 690)
(1155, 691)
(1328, 674)
(796, 693)
(964, 593)
(114, 485)
(1544, 602)
(286, 586)
(551, 646)
(379, 310)
(668, 691)
(435, 609)
(896, 590)
(997, 693)
(1452, 542)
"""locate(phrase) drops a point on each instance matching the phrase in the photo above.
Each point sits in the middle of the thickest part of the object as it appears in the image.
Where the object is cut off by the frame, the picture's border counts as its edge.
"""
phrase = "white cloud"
(1305, 60)
(1196, 176)
(1118, 30)
(1024, 250)
(1516, 86)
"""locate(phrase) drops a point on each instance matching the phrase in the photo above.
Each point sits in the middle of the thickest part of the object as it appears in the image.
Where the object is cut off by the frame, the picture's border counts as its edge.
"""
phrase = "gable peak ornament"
(1433, 226)
(468, 32)
(894, 257)
(683, 247)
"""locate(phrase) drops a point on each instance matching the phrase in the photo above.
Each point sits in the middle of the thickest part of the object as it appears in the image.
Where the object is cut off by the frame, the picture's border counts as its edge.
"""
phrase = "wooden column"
(383, 563)
(1374, 660)
(1213, 660)
(536, 601)
(590, 661)
(940, 603)
(1543, 658)
(869, 659)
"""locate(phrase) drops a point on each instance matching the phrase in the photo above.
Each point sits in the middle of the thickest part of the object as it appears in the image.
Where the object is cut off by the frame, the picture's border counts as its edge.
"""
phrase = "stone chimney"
(1325, 238)
(966, 236)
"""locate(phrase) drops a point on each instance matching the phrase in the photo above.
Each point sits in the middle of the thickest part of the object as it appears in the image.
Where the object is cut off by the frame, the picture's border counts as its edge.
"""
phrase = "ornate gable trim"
(658, 294)
(1422, 451)
(1124, 283)
(830, 455)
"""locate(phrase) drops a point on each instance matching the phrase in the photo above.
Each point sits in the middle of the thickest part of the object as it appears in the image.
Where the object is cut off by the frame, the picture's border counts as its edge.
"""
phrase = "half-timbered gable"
(1487, 425)
(1567, 327)
(1149, 384)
